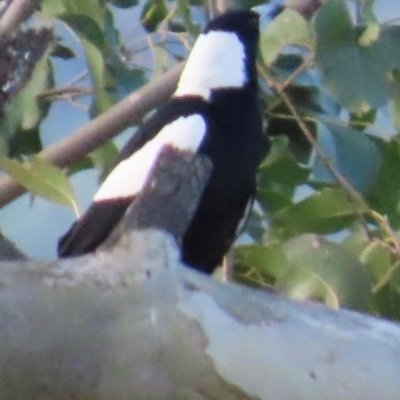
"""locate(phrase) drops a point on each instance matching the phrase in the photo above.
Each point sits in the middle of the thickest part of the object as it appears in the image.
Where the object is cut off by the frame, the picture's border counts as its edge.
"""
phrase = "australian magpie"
(215, 111)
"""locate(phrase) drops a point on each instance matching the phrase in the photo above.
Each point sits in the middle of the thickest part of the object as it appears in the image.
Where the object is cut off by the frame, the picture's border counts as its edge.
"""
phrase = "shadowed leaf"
(287, 28)
(42, 179)
(319, 269)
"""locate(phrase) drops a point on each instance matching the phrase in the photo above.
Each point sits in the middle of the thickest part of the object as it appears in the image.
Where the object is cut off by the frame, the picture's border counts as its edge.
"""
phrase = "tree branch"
(133, 322)
(98, 131)
(8, 251)
(17, 12)
(136, 323)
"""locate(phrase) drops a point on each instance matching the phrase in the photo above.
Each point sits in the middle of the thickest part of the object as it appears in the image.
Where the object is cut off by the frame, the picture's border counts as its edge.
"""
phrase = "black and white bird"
(215, 111)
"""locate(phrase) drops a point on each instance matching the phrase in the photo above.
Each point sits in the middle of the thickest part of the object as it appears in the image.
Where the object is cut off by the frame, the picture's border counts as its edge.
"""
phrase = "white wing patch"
(217, 60)
(129, 176)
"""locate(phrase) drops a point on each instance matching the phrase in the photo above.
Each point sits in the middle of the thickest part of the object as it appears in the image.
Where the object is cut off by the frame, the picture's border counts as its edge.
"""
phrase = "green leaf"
(272, 200)
(374, 254)
(94, 44)
(366, 11)
(308, 100)
(63, 52)
(125, 80)
(42, 179)
(33, 110)
(83, 164)
(24, 142)
(321, 270)
(326, 211)
(378, 260)
(384, 196)
(370, 35)
(92, 23)
(395, 111)
(183, 10)
(357, 74)
(360, 121)
(163, 60)
(24, 113)
(94, 9)
(259, 265)
(86, 28)
(288, 28)
(385, 52)
(104, 158)
(386, 303)
(100, 77)
(111, 35)
(280, 170)
(153, 12)
(395, 104)
(52, 7)
(124, 3)
(350, 152)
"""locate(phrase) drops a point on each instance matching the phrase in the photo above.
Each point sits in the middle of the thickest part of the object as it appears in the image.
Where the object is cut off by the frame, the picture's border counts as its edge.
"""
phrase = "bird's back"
(214, 111)
(234, 145)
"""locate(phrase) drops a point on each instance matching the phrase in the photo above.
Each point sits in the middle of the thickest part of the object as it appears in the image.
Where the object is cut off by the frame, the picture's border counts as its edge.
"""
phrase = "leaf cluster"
(328, 190)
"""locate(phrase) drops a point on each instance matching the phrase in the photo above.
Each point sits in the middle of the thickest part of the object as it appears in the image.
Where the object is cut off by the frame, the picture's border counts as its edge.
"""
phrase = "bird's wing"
(177, 124)
(175, 108)
(88, 232)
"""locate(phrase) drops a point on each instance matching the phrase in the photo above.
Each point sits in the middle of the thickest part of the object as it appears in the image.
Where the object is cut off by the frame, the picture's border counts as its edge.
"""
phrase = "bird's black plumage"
(230, 117)
(96, 224)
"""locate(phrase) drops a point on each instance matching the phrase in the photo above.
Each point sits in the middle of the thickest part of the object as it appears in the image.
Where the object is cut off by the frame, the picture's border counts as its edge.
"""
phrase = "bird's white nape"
(129, 176)
(217, 60)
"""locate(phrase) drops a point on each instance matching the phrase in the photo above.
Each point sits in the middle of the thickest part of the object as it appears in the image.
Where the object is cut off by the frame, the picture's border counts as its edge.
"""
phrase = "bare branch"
(65, 92)
(8, 250)
(17, 12)
(135, 323)
(94, 134)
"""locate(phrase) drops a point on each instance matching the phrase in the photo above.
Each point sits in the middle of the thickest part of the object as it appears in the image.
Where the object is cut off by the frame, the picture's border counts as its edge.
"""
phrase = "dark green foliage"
(337, 75)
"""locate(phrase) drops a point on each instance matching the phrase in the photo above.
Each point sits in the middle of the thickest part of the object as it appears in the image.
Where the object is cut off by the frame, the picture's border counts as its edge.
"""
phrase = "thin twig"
(353, 196)
(385, 279)
(287, 117)
(78, 78)
(66, 92)
(304, 65)
(351, 193)
(383, 223)
(332, 121)
(281, 86)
